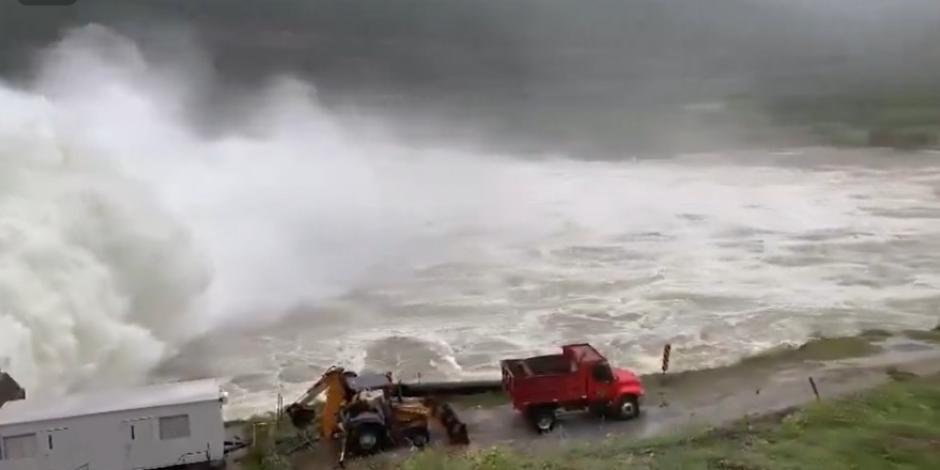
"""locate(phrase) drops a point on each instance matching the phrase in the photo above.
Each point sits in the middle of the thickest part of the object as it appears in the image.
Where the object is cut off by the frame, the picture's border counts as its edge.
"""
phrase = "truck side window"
(602, 373)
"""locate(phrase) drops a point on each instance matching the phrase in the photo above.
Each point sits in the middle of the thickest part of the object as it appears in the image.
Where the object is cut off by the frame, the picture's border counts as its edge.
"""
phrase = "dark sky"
(528, 56)
(457, 43)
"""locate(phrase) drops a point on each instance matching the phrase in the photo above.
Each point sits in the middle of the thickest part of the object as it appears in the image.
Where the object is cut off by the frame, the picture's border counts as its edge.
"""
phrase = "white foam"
(95, 279)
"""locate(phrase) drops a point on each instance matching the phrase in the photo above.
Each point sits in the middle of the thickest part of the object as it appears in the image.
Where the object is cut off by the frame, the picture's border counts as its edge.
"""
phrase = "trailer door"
(138, 442)
(59, 447)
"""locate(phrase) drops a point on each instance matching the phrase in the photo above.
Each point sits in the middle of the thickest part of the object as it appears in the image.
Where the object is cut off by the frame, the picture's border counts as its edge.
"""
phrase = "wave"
(96, 279)
(126, 229)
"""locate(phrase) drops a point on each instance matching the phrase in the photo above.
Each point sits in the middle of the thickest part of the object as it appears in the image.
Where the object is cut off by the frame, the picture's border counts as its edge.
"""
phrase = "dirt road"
(712, 398)
(676, 403)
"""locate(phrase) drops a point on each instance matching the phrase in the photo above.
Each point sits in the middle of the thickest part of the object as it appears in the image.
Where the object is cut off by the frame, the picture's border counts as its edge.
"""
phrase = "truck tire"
(627, 407)
(543, 419)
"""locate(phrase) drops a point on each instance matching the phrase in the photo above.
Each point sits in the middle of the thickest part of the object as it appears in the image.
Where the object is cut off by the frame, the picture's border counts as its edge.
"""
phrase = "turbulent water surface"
(134, 247)
(720, 255)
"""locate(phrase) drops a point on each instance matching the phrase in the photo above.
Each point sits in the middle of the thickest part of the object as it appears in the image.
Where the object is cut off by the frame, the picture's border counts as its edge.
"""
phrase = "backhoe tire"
(626, 408)
(418, 437)
(543, 419)
(366, 439)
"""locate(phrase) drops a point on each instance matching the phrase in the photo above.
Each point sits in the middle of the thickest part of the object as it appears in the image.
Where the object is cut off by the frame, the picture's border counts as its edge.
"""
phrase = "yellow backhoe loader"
(367, 414)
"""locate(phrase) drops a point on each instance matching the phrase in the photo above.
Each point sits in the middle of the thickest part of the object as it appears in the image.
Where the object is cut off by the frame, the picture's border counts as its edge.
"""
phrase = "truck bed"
(542, 379)
(554, 364)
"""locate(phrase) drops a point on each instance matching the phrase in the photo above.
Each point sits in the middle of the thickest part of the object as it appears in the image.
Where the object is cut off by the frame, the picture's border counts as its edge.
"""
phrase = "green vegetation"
(272, 440)
(821, 349)
(766, 363)
(921, 335)
(894, 426)
(899, 120)
(896, 118)
(876, 334)
(259, 460)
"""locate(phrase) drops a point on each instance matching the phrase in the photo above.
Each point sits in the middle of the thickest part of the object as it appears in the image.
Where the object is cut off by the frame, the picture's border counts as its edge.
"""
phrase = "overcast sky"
(524, 56)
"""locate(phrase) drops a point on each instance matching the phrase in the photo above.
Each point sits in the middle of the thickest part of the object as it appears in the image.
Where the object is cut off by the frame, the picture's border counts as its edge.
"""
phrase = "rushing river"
(720, 255)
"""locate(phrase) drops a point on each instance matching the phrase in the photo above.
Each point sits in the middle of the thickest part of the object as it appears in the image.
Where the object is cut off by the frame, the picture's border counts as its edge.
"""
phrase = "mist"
(143, 233)
(170, 169)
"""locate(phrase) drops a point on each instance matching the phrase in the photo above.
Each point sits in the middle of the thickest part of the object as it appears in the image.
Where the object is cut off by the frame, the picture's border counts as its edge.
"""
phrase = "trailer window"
(20, 447)
(174, 427)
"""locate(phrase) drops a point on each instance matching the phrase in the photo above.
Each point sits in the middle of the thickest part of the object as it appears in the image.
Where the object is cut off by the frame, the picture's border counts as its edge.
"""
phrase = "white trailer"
(144, 428)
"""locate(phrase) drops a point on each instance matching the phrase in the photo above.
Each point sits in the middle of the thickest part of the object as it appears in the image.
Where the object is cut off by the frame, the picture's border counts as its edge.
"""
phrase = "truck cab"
(580, 378)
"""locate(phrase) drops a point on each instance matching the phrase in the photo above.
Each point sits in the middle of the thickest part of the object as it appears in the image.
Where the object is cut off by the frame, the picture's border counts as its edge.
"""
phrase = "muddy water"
(720, 255)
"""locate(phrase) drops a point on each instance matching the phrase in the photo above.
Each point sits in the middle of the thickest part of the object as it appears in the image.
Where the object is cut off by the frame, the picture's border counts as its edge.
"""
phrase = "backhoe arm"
(303, 412)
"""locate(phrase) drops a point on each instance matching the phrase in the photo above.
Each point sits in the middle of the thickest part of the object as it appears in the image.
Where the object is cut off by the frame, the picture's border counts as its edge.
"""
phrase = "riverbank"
(694, 410)
(878, 407)
(895, 425)
(757, 390)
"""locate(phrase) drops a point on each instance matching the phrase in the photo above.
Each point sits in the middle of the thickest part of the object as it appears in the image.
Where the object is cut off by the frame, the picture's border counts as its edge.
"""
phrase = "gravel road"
(676, 403)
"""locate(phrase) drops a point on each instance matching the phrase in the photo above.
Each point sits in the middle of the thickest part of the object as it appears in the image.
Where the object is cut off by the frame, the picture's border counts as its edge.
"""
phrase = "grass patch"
(896, 373)
(901, 119)
(876, 334)
(280, 439)
(827, 349)
(896, 425)
(767, 362)
(820, 349)
(932, 336)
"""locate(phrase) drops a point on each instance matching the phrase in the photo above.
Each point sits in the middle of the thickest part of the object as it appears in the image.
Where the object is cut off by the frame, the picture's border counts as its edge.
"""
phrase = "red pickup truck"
(578, 379)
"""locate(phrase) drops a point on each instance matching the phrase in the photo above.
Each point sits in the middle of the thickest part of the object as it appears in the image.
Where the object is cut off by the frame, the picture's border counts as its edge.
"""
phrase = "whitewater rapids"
(721, 256)
(134, 247)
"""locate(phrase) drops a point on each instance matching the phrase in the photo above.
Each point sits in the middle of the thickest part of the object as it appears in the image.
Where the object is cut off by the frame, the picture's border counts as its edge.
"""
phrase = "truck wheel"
(628, 407)
(543, 419)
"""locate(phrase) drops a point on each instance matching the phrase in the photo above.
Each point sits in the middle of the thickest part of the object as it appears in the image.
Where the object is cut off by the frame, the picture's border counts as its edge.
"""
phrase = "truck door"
(58, 445)
(138, 442)
(600, 383)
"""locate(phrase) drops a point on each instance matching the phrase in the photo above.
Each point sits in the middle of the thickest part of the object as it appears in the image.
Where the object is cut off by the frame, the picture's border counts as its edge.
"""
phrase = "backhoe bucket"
(301, 416)
(456, 430)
